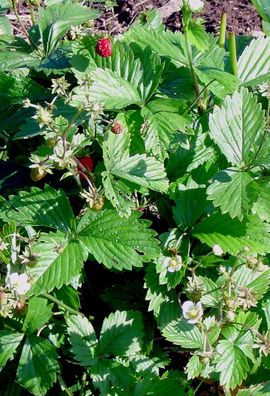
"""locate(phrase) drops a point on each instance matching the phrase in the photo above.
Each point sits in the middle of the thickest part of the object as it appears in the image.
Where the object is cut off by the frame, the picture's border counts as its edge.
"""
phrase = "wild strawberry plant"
(135, 206)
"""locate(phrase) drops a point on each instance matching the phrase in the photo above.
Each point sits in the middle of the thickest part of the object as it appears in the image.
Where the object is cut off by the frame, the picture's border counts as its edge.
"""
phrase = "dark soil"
(241, 15)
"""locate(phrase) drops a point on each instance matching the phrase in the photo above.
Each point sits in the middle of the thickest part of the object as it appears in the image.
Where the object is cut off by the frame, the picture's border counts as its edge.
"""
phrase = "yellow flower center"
(173, 263)
(193, 313)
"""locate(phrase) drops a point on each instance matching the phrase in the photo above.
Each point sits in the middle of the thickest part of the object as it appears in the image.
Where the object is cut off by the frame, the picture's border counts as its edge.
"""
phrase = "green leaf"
(10, 60)
(240, 335)
(14, 90)
(5, 26)
(82, 338)
(122, 93)
(219, 82)
(9, 342)
(57, 19)
(211, 293)
(38, 365)
(163, 118)
(197, 36)
(58, 261)
(266, 310)
(118, 193)
(156, 294)
(262, 206)
(180, 332)
(231, 191)
(121, 334)
(38, 313)
(115, 242)
(161, 387)
(102, 376)
(233, 235)
(263, 8)
(194, 367)
(256, 281)
(237, 127)
(144, 171)
(190, 200)
(232, 364)
(48, 208)
(147, 367)
(254, 64)
(166, 44)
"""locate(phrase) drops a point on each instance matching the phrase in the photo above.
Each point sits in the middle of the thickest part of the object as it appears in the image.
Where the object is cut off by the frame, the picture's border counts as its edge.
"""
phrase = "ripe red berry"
(104, 47)
(87, 162)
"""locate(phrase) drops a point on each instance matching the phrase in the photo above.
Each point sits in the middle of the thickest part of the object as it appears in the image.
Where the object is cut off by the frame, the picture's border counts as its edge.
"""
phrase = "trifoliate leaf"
(237, 127)
(121, 334)
(82, 338)
(116, 242)
(38, 365)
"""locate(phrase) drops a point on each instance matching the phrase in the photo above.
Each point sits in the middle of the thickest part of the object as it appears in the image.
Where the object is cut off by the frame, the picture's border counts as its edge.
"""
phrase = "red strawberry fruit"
(104, 47)
(87, 162)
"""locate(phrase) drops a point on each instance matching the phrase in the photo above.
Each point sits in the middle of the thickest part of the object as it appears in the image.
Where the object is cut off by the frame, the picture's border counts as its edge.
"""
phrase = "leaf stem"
(233, 53)
(14, 8)
(222, 31)
(190, 61)
(61, 304)
(63, 384)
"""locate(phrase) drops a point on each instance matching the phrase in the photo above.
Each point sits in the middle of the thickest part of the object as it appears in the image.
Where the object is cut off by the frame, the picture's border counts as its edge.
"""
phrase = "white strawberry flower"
(192, 311)
(195, 5)
(19, 283)
(217, 250)
(173, 264)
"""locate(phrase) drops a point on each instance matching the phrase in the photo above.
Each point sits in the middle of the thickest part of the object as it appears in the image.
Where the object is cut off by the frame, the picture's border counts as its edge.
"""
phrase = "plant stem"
(62, 383)
(61, 304)
(233, 53)
(190, 61)
(14, 8)
(222, 31)
(32, 14)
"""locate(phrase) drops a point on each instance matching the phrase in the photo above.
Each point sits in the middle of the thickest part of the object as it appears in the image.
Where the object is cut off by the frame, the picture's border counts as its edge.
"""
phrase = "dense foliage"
(135, 206)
